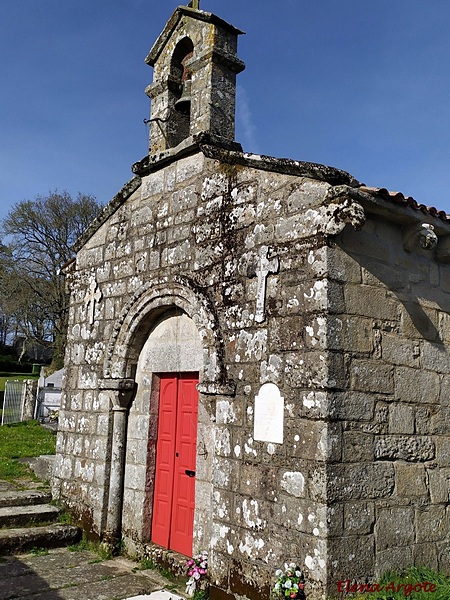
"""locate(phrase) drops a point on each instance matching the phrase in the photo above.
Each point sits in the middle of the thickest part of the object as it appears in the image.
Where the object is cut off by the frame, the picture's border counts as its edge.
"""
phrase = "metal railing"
(13, 402)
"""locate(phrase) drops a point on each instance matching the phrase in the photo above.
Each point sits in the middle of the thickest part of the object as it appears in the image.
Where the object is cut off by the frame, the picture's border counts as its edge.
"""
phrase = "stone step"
(24, 498)
(27, 538)
(19, 516)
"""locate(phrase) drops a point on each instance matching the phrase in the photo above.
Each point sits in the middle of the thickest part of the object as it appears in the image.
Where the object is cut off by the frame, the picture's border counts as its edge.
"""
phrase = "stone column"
(123, 393)
(114, 514)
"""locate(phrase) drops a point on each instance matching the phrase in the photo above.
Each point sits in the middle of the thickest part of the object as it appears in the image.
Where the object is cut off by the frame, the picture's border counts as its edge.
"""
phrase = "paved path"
(80, 575)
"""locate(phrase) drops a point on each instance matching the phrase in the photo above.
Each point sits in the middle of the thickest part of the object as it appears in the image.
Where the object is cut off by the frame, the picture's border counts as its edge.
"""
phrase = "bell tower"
(194, 82)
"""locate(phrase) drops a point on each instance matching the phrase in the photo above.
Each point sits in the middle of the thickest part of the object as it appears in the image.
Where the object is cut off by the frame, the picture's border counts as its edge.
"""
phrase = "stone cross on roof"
(194, 4)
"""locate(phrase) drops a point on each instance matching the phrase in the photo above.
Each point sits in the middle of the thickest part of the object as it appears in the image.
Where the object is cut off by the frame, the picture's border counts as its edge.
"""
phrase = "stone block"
(307, 439)
(189, 167)
(302, 515)
(443, 451)
(358, 447)
(226, 473)
(394, 527)
(393, 559)
(416, 387)
(398, 351)
(335, 519)
(371, 376)
(360, 481)
(309, 193)
(366, 243)
(343, 267)
(359, 517)
(401, 418)
(410, 480)
(425, 555)
(351, 558)
(369, 301)
(348, 333)
(351, 406)
(410, 448)
(443, 551)
(439, 485)
(444, 395)
(418, 321)
(383, 274)
(435, 357)
(432, 524)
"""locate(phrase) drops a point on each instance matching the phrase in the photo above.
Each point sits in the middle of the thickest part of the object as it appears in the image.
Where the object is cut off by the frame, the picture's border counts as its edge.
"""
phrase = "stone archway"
(173, 347)
(148, 312)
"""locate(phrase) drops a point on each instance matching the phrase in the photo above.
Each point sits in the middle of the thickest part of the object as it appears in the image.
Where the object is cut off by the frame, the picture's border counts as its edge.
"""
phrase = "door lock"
(190, 473)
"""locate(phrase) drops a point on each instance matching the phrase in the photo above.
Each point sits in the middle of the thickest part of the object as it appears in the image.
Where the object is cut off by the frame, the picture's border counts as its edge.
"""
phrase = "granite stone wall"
(352, 329)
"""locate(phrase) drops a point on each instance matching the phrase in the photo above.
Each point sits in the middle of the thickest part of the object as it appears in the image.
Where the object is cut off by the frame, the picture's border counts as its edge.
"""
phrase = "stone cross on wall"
(265, 267)
(92, 296)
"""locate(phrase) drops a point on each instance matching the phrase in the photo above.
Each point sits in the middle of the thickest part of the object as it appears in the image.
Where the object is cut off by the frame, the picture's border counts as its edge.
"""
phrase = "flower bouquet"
(197, 569)
(290, 582)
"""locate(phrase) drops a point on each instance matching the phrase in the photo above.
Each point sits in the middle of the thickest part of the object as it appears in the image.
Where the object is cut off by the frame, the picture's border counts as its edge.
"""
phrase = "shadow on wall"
(412, 279)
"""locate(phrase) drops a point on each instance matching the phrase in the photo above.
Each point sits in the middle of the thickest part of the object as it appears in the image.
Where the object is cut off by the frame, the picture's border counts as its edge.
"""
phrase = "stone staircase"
(28, 521)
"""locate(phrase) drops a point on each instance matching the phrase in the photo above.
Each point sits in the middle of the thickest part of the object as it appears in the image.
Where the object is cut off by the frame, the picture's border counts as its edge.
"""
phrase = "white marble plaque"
(269, 415)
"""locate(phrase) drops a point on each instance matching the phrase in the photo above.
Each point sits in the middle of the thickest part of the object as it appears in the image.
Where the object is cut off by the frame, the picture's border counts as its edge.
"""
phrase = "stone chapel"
(257, 361)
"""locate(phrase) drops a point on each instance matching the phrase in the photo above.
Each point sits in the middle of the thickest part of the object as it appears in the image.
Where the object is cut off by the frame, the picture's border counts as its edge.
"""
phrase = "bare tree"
(38, 236)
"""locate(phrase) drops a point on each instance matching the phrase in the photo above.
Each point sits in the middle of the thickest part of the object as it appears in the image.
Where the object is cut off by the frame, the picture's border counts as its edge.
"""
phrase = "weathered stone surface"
(401, 418)
(370, 376)
(405, 448)
(439, 484)
(415, 386)
(432, 524)
(394, 527)
(19, 516)
(353, 555)
(410, 480)
(50, 536)
(359, 517)
(355, 481)
(394, 559)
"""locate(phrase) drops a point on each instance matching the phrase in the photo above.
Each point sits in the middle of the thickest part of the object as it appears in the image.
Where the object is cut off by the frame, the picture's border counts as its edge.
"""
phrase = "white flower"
(292, 565)
(288, 584)
(298, 573)
(278, 572)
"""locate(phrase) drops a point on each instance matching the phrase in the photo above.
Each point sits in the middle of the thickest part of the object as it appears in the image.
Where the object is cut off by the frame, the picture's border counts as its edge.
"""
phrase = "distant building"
(257, 362)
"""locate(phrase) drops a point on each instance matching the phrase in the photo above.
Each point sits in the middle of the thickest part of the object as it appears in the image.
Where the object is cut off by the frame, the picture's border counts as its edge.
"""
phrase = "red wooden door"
(174, 495)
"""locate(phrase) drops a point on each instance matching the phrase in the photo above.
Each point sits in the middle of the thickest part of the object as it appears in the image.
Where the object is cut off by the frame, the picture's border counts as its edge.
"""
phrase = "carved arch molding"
(137, 318)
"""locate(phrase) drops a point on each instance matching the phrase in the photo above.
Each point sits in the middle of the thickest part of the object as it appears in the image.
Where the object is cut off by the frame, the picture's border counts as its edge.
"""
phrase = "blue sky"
(360, 85)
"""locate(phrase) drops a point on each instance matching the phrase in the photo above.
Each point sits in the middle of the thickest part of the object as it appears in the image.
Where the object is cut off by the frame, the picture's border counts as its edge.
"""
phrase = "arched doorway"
(162, 435)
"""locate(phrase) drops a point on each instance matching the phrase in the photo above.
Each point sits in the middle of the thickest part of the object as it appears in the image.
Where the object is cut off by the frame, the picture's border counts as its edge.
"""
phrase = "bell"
(183, 104)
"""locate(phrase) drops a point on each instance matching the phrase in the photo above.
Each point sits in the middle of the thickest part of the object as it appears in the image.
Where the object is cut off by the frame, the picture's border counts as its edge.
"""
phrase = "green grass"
(22, 440)
(95, 547)
(404, 582)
